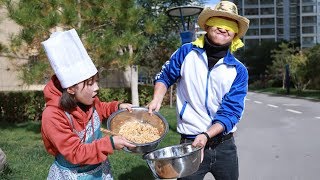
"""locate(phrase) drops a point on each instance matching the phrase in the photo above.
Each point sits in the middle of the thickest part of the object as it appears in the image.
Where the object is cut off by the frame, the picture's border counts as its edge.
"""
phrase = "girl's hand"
(121, 142)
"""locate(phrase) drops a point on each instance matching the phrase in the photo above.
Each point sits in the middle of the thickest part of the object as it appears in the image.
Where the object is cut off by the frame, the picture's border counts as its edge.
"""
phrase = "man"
(211, 89)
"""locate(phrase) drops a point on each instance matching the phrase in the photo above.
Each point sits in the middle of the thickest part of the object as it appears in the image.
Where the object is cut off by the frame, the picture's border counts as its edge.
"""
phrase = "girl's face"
(86, 91)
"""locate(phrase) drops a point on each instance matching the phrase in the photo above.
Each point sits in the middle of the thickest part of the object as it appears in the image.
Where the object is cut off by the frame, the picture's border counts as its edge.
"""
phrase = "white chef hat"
(68, 58)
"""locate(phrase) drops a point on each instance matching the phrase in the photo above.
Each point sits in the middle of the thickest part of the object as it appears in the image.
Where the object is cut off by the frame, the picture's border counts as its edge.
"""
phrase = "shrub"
(21, 106)
(25, 106)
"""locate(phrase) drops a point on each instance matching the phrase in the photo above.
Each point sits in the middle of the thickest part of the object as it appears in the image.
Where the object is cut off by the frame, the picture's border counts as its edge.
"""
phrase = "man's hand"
(155, 105)
(127, 106)
(200, 141)
(159, 91)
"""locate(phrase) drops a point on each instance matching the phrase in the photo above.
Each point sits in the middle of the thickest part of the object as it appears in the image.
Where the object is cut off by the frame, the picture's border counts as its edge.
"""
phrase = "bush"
(25, 106)
(115, 94)
(145, 94)
(21, 106)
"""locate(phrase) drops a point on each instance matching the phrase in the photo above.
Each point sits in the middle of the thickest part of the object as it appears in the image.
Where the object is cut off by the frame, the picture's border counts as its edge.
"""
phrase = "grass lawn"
(27, 158)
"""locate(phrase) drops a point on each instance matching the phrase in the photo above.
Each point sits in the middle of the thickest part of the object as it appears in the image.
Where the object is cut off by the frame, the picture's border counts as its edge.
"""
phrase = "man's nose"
(222, 30)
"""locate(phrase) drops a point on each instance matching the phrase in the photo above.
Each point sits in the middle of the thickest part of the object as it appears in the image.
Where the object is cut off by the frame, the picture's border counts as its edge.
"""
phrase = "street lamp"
(185, 13)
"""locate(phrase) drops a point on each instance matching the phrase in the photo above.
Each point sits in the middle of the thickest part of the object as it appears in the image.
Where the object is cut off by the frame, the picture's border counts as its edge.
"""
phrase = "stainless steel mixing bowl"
(174, 161)
(117, 119)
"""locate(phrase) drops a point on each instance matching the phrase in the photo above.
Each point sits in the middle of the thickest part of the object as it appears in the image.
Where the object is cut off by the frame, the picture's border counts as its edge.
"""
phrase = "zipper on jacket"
(183, 109)
(207, 92)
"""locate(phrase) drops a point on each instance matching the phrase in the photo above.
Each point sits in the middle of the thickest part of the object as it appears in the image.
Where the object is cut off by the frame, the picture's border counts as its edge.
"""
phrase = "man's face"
(219, 36)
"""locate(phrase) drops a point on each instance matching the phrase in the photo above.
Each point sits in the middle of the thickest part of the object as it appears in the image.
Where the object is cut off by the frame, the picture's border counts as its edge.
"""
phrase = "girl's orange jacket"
(57, 132)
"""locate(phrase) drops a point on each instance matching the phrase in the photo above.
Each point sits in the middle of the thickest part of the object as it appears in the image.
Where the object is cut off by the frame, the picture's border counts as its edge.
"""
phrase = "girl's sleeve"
(59, 138)
(105, 109)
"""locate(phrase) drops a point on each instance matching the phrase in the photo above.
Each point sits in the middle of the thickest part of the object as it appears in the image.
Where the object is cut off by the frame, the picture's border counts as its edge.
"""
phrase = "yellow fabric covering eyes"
(223, 23)
(227, 25)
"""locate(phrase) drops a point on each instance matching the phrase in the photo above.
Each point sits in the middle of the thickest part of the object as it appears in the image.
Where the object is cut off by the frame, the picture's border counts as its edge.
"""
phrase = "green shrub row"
(28, 105)
(21, 106)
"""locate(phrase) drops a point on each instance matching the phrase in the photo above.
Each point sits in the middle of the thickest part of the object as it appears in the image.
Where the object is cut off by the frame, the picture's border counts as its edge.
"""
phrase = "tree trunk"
(79, 14)
(134, 80)
(171, 92)
(134, 85)
(3, 160)
(283, 80)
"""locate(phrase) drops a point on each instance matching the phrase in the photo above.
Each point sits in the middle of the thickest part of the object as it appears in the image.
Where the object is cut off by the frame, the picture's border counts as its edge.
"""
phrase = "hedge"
(24, 106)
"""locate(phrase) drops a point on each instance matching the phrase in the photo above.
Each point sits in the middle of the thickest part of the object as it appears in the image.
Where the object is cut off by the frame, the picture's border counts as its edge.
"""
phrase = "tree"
(288, 55)
(116, 33)
(281, 57)
(166, 38)
(111, 30)
(313, 66)
(257, 59)
(298, 71)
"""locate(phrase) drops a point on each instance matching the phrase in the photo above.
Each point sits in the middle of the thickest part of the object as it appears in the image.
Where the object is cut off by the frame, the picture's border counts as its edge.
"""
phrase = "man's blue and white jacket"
(205, 96)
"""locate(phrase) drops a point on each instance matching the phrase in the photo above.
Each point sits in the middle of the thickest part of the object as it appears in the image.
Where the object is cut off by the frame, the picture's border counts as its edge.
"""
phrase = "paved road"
(277, 139)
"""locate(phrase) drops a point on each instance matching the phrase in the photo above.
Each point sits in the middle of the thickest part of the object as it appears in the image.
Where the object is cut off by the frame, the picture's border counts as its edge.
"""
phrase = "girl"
(73, 114)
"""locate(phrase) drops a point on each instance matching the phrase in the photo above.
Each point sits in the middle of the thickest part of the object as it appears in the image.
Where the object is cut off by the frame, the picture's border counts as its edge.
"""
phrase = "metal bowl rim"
(146, 110)
(197, 148)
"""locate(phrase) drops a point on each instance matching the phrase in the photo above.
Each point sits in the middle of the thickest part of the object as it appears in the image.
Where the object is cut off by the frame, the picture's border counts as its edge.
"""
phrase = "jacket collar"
(198, 45)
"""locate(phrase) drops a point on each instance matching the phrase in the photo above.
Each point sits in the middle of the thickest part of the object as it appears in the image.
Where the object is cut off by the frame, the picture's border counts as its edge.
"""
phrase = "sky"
(212, 3)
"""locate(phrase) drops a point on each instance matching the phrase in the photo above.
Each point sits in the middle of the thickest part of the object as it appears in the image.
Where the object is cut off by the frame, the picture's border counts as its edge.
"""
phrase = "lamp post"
(186, 14)
(186, 35)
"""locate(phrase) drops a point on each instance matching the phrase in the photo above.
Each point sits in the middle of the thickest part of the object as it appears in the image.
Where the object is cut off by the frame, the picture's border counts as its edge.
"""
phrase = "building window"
(309, 1)
(293, 10)
(280, 31)
(267, 21)
(279, 21)
(293, 31)
(309, 9)
(280, 11)
(252, 42)
(267, 31)
(252, 32)
(254, 11)
(250, 2)
(309, 19)
(308, 40)
(308, 30)
(254, 22)
(267, 40)
(295, 39)
(267, 2)
(293, 21)
(265, 11)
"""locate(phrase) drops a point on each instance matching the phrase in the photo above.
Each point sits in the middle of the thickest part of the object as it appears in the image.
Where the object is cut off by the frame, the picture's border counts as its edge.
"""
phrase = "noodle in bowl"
(143, 130)
(139, 132)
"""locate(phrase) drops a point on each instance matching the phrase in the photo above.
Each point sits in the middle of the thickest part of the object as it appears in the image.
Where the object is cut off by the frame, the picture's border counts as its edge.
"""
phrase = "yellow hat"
(224, 9)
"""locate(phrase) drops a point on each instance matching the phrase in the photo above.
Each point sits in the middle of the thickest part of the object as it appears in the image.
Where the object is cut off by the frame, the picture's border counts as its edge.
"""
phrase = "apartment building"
(276, 20)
